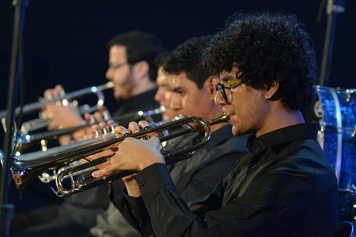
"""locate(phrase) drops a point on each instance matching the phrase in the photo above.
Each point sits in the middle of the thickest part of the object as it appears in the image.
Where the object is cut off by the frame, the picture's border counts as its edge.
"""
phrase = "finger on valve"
(121, 131)
(144, 125)
(99, 117)
(104, 112)
(134, 127)
(59, 90)
(48, 94)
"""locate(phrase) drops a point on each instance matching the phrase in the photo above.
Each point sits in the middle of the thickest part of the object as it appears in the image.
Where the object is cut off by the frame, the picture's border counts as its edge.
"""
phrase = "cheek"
(168, 97)
(197, 105)
(189, 105)
(244, 109)
(122, 78)
(185, 105)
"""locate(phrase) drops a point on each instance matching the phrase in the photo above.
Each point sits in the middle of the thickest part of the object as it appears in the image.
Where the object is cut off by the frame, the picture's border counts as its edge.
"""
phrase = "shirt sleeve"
(133, 209)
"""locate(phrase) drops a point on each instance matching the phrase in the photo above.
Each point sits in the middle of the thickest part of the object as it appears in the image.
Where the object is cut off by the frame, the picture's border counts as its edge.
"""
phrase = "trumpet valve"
(44, 146)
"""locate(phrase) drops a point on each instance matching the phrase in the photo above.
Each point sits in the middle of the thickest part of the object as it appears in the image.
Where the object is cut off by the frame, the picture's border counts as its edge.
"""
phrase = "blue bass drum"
(336, 110)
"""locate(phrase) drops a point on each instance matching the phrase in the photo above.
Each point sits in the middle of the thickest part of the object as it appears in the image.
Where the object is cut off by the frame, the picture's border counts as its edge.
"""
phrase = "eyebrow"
(163, 84)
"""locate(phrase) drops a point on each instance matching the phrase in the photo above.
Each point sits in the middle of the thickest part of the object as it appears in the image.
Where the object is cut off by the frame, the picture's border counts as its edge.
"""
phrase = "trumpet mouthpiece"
(224, 118)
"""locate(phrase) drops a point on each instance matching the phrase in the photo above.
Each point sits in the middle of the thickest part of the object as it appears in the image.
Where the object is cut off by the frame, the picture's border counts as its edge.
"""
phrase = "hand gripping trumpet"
(64, 98)
(28, 166)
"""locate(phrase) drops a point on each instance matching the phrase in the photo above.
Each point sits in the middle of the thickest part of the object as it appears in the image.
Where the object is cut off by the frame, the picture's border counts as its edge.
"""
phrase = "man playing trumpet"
(133, 72)
(285, 185)
(186, 88)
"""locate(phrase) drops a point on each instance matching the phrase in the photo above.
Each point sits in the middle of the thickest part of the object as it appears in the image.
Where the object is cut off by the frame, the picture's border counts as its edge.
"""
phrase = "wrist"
(150, 161)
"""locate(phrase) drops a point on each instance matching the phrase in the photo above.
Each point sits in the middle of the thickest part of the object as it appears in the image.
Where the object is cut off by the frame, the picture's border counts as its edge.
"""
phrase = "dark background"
(65, 41)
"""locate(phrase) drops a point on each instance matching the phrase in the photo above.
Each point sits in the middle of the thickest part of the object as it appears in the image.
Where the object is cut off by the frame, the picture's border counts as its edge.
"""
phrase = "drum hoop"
(339, 133)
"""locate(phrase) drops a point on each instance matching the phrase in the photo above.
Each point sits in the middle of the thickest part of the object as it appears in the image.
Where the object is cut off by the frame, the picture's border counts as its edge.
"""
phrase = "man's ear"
(210, 84)
(271, 90)
(141, 68)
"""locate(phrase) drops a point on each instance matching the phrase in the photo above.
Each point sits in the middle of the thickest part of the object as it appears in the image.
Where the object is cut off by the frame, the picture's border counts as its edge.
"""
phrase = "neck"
(283, 119)
(144, 87)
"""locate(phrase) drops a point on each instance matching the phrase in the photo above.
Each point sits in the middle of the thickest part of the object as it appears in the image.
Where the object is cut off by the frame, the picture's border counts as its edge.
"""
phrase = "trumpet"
(28, 166)
(26, 140)
(42, 138)
(64, 98)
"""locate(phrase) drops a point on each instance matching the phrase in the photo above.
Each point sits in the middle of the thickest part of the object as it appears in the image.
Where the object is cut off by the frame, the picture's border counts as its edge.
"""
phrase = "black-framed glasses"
(118, 65)
(221, 90)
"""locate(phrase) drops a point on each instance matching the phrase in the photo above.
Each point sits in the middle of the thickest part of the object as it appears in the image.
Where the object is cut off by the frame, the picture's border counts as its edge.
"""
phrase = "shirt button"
(141, 184)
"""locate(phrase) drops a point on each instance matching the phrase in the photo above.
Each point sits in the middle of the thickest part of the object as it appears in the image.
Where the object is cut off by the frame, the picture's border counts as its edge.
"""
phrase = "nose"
(176, 102)
(108, 74)
(159, 95)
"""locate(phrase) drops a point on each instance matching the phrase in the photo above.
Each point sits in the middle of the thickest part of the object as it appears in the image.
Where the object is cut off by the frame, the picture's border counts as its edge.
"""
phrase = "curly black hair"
(188, 58)
(267, 47)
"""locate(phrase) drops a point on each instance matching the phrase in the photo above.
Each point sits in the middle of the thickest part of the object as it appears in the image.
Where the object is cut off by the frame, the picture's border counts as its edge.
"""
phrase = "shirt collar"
(142, 100)
(283, 135)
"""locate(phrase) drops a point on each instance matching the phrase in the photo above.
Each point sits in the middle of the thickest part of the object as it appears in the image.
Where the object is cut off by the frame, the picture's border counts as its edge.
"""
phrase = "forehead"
(163, 79)
(228, 75)
(229, 78)
(117, 52)
(181, 81)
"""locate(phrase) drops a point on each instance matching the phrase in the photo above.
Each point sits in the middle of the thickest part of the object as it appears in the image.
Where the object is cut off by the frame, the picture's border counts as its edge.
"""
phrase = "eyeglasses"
(116, 66)
(220, 88)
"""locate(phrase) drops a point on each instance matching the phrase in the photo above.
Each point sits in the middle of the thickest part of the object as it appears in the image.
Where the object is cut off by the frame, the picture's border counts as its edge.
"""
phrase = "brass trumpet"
(28, 166)
(26, 140)
(42, 138)
(64, 98)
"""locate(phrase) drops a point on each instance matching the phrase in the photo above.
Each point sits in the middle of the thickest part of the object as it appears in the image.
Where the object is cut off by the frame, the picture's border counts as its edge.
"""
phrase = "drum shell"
(336, 113)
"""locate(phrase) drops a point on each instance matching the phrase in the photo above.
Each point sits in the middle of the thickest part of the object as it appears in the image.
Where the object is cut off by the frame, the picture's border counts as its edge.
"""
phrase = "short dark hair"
(267, 47)
(187, 58)
(140, 46)
(162, 58)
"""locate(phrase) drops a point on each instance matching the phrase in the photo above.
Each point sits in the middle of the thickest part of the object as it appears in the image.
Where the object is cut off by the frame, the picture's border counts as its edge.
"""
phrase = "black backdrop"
(65, 41)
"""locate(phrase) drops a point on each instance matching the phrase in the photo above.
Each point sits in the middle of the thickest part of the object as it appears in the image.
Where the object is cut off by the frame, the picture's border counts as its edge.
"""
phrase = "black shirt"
(284, 187)
(196, 177)
(128, 110)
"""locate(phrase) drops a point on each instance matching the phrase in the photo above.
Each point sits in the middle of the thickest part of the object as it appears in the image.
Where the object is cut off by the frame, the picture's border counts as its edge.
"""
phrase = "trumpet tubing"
(27, 140)
(28, 166)
(37, 106)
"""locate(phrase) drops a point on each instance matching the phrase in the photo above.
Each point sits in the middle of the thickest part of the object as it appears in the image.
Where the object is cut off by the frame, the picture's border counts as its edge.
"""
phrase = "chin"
(166, 117)
(121, 97)
(234, 131)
